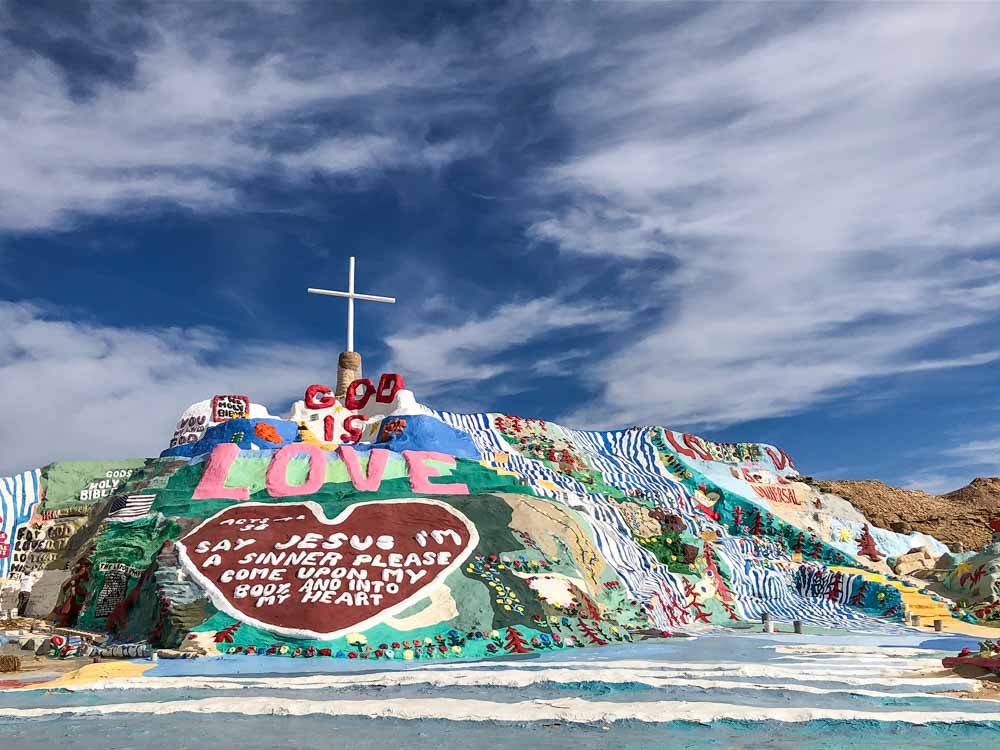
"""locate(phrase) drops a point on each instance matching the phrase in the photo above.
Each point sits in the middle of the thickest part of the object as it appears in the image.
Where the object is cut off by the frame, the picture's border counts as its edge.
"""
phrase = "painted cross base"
(348, 370)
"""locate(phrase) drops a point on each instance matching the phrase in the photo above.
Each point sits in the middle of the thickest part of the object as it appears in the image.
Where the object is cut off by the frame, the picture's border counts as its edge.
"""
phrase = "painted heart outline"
(223, 602)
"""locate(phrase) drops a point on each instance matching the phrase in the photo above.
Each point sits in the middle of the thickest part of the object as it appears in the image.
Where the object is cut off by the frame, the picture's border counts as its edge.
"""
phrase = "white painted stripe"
(512, 678)
(571, 710)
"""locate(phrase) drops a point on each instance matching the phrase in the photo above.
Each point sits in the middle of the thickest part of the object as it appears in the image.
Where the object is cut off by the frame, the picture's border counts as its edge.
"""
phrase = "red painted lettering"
(355, 402)
(319, 397)
(388, 385)
(353, 433)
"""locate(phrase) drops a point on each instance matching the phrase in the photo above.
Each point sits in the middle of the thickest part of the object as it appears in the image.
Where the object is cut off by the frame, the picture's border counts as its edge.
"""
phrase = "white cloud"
(982, 453)
(436, 358)
(205, 110)
(823, 185)
(936, 483)
(80, 391)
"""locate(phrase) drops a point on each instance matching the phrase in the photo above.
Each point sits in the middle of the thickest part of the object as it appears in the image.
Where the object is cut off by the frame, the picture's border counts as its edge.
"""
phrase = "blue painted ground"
(877, 675)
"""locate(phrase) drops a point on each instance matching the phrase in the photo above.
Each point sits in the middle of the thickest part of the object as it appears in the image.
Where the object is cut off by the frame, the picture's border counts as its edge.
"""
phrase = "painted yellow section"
(104, 670)
(928, 608)
(493, 467)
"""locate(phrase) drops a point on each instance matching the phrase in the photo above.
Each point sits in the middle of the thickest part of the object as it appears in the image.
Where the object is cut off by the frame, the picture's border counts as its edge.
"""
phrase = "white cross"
(351, 296)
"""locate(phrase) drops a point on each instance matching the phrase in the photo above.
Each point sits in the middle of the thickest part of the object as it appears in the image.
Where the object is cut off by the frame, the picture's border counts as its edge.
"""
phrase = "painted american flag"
(130, 507)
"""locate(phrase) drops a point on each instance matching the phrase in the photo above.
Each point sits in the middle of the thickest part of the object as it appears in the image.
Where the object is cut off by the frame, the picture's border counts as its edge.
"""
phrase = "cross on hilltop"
(349, 364)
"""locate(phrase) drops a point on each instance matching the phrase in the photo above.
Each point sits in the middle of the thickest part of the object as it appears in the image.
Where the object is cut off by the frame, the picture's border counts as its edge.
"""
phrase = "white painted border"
(222, 603)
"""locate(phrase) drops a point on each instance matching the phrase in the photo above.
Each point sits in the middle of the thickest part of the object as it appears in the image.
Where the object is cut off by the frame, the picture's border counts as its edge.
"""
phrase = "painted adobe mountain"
(369, 526)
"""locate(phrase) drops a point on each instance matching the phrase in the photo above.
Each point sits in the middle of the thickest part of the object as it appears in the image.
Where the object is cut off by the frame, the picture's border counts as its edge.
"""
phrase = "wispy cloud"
(462, 356)
(935, 482)
(818, 182)
(983, 453)
(826, 193)
(209, 98)
(75, 390)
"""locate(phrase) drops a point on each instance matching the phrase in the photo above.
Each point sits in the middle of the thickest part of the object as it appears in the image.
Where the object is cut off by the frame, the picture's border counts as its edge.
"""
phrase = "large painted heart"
(286, 568)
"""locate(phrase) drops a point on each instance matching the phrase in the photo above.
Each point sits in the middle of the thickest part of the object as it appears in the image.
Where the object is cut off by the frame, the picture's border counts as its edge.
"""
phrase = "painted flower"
(357, 639)
(408, 654)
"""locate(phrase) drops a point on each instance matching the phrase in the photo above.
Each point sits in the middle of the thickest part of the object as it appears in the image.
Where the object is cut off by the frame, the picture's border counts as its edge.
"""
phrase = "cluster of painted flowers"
(489, 567)
(445, 645)
(531, 439)
(989, 611)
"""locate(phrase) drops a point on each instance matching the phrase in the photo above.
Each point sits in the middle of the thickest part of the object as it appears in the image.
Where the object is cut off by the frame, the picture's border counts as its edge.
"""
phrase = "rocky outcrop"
(960, 517)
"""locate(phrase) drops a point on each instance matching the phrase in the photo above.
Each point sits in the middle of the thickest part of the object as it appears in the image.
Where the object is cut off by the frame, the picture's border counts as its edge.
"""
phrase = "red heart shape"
(285, 568)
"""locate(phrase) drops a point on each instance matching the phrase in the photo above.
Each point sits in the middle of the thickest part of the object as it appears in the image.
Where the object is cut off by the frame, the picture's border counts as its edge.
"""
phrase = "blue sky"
(755, 222)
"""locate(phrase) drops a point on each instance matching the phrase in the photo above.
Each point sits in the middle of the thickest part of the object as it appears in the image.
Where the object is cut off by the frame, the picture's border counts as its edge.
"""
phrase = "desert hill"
(959, 517)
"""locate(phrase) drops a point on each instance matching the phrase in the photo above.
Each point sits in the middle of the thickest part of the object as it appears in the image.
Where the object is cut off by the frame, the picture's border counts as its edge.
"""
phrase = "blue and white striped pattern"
(487, 438)
(19, 495)
(611, 453)
(628, 460)
(762, 586)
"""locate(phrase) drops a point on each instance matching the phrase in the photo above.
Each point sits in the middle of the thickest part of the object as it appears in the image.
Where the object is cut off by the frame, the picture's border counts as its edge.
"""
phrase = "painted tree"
(800, 542)
(700, 615)
(587, 606)
(731, 611)
(817, 550)
(738, 517)
(836, 589)
(858, 600)
(593, 636)
(720, 583)
(74, 591)
(866, 545)
(515, 643)
(226, 634)
(758, 524)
